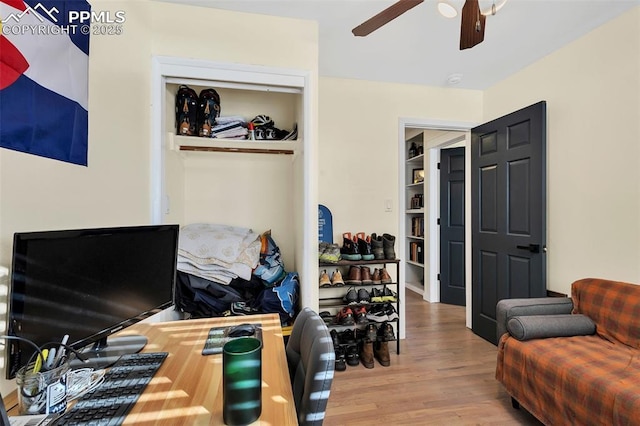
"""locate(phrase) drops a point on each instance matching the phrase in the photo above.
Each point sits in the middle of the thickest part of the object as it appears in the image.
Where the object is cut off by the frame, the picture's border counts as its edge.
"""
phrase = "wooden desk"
(187, 389)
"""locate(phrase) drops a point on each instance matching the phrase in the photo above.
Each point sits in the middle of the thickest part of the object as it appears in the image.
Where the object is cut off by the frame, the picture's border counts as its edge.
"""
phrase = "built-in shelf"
(414, 218)
(416, 159)
(195, 143)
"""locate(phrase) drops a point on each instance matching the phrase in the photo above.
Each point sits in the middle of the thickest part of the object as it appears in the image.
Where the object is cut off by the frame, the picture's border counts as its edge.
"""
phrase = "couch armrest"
(507, 308)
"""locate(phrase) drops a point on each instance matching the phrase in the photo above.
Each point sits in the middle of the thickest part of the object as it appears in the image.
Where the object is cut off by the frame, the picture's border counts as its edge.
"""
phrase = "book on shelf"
(416, 251)
(417, 226)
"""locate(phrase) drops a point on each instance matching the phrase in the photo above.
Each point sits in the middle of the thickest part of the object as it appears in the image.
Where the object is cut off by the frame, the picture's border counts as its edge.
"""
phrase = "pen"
(39, 361)
(50, 358)
(61, 350)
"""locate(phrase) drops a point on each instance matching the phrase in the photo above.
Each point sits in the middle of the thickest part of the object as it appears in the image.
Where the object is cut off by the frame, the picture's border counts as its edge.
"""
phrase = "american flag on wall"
(44, 69)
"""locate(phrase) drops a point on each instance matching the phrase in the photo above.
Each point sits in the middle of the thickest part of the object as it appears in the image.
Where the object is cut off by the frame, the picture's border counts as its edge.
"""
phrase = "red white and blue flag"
(44, 69)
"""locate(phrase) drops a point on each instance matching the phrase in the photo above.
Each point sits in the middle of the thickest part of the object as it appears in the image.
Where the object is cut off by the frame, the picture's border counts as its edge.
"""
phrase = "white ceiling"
(422, 47)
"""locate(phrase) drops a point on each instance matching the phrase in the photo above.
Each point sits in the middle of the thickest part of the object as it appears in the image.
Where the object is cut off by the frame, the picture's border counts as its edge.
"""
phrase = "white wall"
(39, 193)
(592, 89)
(358, 154)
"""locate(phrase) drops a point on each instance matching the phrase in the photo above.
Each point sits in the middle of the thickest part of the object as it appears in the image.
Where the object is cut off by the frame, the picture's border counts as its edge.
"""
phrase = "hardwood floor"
(444, 375)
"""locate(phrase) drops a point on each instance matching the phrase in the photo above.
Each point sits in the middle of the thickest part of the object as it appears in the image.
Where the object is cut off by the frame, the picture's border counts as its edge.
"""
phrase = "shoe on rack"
(349, 250)
(392, 315)
(366, 354)
(327, 317)
(351, 298)
(261, 133)
(376, 295)
(324, 279)
(364, 246)
(360, 314)
(388, 295)
(322, 247)
(385, 278)
(365, 275)
(355, 275)
(348, 337)
(292, 135)
(345, 316)
(363, 297)
(331, 254)
(335, 338)
(353, 357)
(377, 314)
(375, 278)
(336, 279)
(385, 332)
(377, 246)
(370, 333)
(271, 133)
(381, 353)
(341, 358)
(388, 241)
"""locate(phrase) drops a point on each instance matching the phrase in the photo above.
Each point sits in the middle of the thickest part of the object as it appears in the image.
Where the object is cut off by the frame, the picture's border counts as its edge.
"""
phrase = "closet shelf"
(194, 143)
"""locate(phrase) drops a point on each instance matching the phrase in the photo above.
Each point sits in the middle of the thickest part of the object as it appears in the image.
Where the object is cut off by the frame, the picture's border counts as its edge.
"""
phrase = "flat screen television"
(88, 284)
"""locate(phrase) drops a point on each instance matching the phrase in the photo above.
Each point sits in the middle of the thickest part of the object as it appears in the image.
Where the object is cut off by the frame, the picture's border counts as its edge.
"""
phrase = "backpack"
(208, 111)
(270, 267)
(186, 111)
(203, 298)
(282, 298)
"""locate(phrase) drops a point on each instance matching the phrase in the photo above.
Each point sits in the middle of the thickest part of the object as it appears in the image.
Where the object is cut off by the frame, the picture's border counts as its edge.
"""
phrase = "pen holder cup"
(241, 381)
(44, 392)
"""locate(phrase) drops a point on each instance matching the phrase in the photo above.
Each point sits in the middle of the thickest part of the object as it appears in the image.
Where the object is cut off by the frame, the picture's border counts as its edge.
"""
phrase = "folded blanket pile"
(218, 253)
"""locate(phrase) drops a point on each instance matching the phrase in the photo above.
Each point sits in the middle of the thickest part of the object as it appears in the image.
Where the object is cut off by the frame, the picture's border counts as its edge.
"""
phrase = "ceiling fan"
(471, 28)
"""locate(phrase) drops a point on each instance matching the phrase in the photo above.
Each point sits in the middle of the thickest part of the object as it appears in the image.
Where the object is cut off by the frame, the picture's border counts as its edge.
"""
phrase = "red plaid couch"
(581, 380)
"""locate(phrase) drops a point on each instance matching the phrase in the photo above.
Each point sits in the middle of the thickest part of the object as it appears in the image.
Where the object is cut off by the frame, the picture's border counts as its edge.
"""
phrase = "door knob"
(533, 248)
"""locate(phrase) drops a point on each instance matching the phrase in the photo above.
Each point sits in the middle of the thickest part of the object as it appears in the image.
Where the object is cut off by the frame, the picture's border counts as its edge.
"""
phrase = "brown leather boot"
(355, 275)
(366, 354)
(381, 353)
(375, 278)
(385, 278)
(366, 275)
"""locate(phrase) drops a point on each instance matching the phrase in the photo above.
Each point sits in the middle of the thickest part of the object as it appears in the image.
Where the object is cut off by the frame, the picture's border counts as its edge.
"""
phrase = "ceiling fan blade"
(472, 26)
(387, 15)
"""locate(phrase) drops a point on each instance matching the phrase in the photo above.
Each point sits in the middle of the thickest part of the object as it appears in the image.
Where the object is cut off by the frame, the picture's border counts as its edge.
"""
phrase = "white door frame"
(432, 150)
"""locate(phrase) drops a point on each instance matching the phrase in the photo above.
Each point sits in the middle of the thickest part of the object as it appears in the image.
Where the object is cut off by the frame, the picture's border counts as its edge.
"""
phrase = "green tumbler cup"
(241, 381)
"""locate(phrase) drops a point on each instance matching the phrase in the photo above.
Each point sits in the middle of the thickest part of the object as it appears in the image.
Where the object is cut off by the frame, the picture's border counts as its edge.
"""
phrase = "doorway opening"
(437, 135)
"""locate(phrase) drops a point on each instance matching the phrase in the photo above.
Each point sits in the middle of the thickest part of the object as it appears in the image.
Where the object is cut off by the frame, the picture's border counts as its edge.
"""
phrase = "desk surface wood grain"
(187, 389)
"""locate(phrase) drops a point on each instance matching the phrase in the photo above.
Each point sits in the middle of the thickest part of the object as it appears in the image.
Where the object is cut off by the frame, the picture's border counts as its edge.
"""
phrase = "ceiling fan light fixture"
(446, 9)
(490, 7)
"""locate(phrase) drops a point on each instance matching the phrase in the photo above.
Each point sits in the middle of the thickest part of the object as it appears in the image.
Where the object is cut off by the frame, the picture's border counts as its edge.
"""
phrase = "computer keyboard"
(110, 402)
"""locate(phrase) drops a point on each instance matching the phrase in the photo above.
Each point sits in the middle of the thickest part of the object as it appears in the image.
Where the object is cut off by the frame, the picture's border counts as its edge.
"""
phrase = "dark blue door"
(452, 269)
(508, 202)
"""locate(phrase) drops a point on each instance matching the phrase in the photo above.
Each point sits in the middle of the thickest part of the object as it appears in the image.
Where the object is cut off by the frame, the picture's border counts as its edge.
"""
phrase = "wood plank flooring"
(444, 375)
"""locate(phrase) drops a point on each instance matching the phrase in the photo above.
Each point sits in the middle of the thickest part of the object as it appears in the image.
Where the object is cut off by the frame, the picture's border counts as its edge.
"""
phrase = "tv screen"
(88, 284)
